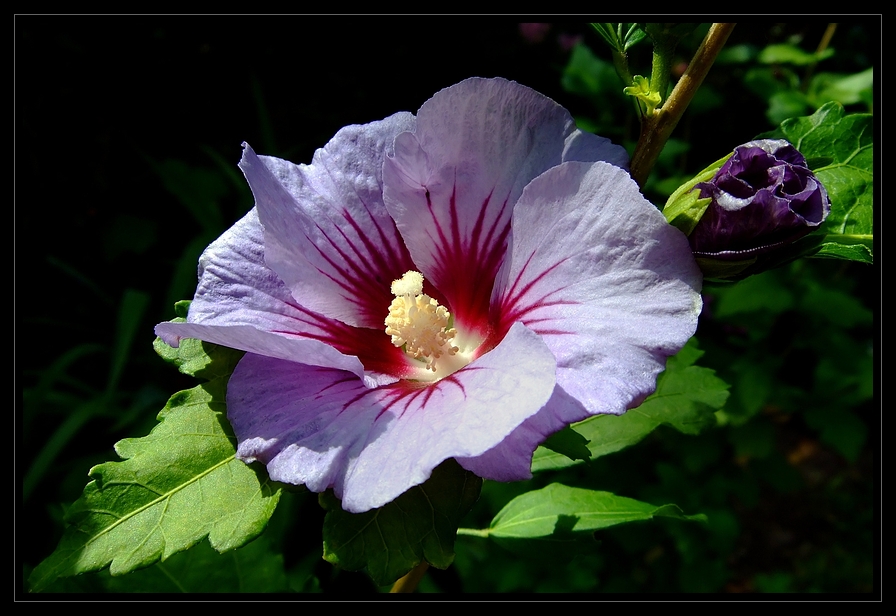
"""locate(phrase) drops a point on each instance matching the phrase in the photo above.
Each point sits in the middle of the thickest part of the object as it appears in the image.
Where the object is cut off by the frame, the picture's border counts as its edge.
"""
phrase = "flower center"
(418, 323)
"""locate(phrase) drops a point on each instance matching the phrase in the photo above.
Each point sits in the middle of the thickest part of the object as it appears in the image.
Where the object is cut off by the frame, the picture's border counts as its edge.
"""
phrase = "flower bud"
(743, 209)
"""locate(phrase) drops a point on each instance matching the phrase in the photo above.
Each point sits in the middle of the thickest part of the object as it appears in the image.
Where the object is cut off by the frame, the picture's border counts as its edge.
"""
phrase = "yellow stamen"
(417, 321)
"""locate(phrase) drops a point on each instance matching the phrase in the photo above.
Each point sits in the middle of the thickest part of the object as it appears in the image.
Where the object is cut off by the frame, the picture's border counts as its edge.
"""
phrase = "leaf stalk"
(409, 582)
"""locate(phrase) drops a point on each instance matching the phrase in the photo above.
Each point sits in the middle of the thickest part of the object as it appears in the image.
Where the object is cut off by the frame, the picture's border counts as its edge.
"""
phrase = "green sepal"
(420, 525)
(684, 208)
(720, 270)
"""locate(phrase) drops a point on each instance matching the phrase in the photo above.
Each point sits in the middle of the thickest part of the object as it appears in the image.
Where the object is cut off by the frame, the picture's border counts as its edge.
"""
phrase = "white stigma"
(417, 321)
(411, 284)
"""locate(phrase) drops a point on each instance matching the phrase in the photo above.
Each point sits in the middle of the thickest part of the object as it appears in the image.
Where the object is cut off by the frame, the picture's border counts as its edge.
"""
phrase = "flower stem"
(409, 582)
(656, 129)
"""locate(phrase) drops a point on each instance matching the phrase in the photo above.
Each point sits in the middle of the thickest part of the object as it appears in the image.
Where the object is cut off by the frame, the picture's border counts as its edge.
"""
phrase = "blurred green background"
(127, 135)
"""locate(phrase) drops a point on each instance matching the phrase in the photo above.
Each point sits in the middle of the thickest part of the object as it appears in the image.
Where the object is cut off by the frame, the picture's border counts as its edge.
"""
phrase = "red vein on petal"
(467, 266)
(371, 346)
(398, 257)
(511, 308)
(408, 393)
(372, 301)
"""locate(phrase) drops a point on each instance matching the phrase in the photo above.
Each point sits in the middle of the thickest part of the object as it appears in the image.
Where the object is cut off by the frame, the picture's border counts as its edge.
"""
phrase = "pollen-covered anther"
(417, 321)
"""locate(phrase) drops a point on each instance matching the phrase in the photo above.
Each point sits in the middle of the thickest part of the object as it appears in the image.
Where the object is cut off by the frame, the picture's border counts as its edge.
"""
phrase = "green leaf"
(176, 486)
(736, 54)
(686, 398)
(567, 442)
(791, 54)
(786, 104)
(253, 568)
(130, 313)
(856, 252)
(588, 75)
(608, 33)
(559, 510)
(770, 293)
(845, 144)
(633, 35)
(197, 358)
(845, 89)
(419, 525)
(612, 33)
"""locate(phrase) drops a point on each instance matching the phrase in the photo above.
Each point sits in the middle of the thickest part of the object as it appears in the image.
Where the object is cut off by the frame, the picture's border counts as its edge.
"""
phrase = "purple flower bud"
(764, 196)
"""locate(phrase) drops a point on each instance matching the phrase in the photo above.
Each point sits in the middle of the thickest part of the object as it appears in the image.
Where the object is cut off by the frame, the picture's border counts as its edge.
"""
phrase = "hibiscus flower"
(457, 284)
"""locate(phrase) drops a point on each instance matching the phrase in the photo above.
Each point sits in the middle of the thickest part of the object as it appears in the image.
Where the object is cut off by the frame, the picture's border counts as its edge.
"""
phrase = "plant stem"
(661, 67)
(656, 129)
(822, 45)
(409, 582)
(620, 63)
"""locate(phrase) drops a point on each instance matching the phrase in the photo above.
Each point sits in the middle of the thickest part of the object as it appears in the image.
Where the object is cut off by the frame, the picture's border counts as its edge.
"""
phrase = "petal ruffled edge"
(327, 232)
(451, 185)
(511, 459)
(242, 304)
(317, 427)
(611, 287)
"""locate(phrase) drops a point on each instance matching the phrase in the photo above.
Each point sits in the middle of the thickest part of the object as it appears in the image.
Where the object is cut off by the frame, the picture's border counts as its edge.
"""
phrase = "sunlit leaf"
(175, 486)
(559, 510)
(196, 357)
(840, 150)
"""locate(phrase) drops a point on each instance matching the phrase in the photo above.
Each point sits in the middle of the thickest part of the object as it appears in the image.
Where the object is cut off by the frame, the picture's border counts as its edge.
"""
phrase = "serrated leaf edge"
(54, 574)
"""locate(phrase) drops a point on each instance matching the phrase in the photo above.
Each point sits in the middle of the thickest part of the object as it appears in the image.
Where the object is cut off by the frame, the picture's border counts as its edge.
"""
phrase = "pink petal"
(597, 272)
(511, 459)
(452, 184)
(242, 304)
(327, 233)
(322, 428)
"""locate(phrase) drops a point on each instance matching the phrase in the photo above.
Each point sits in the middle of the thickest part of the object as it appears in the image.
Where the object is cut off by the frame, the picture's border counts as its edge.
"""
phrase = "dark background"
(127, 135)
